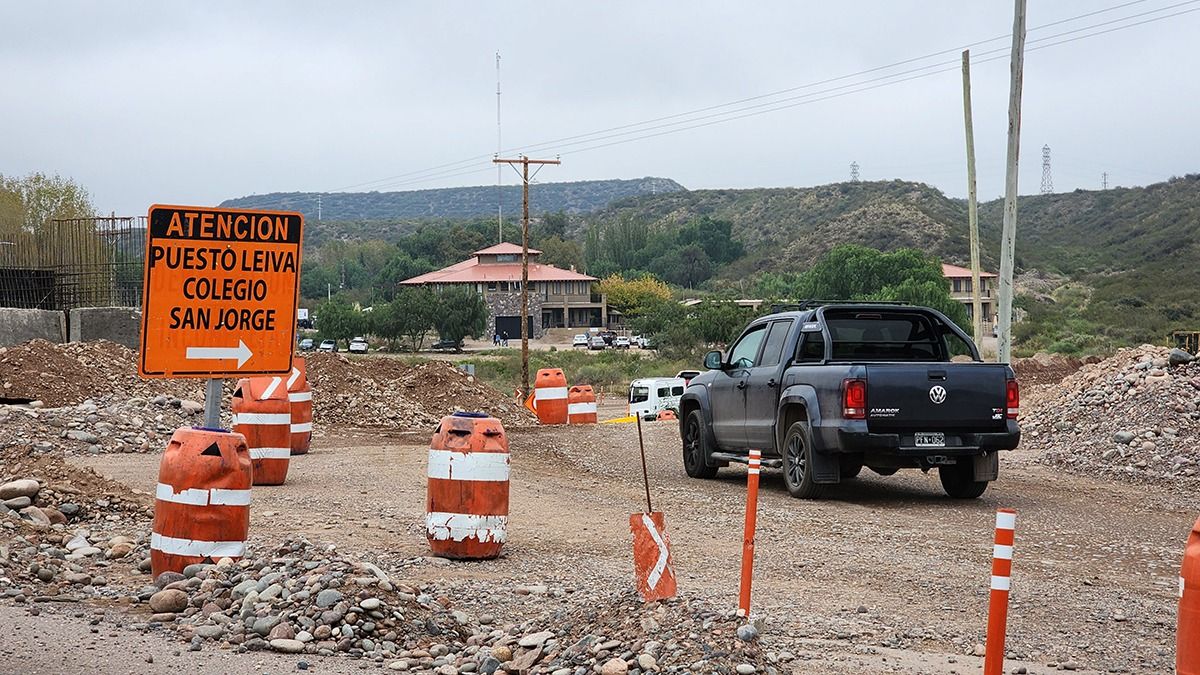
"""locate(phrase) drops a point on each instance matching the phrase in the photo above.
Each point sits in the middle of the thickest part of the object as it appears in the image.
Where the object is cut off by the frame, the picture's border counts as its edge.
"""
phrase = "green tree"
(459, 312)
(553, 225)
(417, 307)
(337, 320)
(562, 253)
(718, 322)
(631, 296)
(852, 272)
(715, 237)
(684, 266)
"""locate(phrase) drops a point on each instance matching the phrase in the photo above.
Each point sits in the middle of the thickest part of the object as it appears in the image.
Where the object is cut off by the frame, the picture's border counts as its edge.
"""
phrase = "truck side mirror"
(712, 360)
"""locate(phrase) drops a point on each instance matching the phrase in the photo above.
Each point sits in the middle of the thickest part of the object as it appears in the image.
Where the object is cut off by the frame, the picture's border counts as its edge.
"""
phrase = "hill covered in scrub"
(461, 202)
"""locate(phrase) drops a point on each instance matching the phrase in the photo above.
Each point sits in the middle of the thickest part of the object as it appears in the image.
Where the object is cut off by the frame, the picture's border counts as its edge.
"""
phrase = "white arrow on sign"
(241, 352)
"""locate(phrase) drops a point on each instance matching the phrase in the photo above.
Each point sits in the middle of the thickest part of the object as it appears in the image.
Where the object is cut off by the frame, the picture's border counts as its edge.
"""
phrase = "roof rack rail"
(811, 304)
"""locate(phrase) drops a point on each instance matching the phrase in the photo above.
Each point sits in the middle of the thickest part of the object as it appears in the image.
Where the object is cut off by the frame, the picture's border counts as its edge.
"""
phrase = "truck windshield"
(883, 336)
(639, 394)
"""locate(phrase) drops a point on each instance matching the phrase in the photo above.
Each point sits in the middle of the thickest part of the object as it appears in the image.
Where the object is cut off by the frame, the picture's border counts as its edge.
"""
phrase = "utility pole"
(853, 172)
(1104, 181)
(972, 202)
(318, 207)
(525, 162)
(1008, 234)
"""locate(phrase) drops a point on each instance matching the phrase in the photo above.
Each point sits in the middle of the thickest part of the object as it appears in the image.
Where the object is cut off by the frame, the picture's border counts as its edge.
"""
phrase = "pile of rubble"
(67, 533)
(107, 424)
(67, 374)
(390, 392)
(1043, 368)
(1135, 415)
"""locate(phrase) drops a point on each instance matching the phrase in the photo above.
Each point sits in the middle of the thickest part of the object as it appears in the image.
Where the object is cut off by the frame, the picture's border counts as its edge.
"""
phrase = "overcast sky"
(198, 102)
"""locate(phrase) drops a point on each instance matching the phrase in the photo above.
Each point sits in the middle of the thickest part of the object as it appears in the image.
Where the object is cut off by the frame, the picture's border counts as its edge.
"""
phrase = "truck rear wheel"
(695, 448)
(958, 480)
(797, 463)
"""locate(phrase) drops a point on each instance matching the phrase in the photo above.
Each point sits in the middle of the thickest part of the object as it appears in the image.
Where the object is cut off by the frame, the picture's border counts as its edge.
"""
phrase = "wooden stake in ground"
(653, 570)
(972, 202)
(1008, 235)
(525, 162)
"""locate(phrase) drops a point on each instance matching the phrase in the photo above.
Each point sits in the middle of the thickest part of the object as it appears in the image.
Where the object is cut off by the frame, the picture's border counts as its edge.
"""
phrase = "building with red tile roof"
(960, 282)
(558, 298)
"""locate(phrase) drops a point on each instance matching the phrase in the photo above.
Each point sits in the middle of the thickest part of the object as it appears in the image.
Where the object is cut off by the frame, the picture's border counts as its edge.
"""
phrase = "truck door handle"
(741, 384)
(771, 383)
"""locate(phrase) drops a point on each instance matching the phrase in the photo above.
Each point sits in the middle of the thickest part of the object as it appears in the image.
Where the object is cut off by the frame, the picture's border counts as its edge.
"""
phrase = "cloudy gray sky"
(198, 102)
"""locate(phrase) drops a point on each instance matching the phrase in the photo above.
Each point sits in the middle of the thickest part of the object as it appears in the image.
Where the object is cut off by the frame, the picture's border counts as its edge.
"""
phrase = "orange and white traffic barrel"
(1187, 636)
(262, 413)
(666, 415)
(300, 397)
(550, 396)
(467, 500)
(581, 404)
(202, 501)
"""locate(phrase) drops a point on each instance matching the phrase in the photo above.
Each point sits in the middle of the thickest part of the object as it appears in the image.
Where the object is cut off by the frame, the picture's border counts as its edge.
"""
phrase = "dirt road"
(886, 575)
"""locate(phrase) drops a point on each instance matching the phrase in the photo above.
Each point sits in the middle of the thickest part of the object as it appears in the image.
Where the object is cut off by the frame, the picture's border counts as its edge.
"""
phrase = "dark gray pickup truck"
(827, 389)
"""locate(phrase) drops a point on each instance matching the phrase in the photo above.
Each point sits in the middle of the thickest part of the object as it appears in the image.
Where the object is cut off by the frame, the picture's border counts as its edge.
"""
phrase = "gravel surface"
(887, 575)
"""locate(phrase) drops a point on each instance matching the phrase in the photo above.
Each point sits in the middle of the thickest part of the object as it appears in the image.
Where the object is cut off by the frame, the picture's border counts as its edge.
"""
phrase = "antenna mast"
(499, 168)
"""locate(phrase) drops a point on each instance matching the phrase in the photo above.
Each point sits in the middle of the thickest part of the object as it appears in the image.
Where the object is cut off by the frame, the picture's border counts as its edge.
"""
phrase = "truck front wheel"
(958, 480)
(695, 448)
(797, 463)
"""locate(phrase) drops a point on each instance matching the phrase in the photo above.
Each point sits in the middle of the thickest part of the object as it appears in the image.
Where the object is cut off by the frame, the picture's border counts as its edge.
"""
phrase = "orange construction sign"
(652, 565)
(220, 292)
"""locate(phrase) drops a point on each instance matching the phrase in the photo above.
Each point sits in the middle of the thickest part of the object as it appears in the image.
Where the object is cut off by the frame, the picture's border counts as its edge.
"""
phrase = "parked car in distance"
(358, 345)
(608, 335)
(648, 343)
(328, 346)
(636, 341)
(443, 345)
(580, 340)
(306, 345)
(621, 342)
(597, 342)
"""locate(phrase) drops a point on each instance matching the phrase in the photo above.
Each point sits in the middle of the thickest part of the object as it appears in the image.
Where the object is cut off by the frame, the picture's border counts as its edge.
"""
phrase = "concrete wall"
(23, 325)
(119, 324)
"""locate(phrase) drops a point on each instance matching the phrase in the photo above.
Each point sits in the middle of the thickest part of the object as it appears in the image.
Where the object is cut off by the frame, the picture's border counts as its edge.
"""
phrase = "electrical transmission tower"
(853, 172)
(1047, 181)
(1104, 181)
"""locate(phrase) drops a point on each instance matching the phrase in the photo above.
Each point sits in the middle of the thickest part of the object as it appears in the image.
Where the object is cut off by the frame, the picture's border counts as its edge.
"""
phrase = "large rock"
(35, 515)
(26, 487)
(328, 598)
(169, 600)
(1178, 357)
(287, 646)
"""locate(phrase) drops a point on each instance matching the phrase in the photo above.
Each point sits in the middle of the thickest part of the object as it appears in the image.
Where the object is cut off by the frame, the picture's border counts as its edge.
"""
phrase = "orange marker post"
(748, 534)
(1187, 636)
(1002, 551)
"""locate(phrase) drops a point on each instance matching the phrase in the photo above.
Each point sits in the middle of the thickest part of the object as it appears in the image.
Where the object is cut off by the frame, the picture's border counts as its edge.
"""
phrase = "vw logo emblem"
(937, 394)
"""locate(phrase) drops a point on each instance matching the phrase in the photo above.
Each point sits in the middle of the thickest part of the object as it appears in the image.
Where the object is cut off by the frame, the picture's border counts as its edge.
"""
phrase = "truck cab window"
(773, 349)
(639, 394)
(743, 353)
(812, 348)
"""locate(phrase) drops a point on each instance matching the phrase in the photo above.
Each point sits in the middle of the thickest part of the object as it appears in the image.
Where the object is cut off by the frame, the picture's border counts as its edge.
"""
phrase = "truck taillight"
(1013, 399)
(854, 399)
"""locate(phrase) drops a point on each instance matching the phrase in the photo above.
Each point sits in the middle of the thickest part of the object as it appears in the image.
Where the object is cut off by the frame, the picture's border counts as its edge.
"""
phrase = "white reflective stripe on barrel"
(202, 497)
(300, 396)
(301, 427)
(275, 382)
(581, 408)
(270, 453)
(549, 393)
(262, 418)
(196, 547)
(460, 526)
(450, 465)
(1001, 583)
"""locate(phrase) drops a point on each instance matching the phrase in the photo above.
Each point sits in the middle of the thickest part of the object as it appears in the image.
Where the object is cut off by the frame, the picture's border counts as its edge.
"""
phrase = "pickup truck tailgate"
(962, 397)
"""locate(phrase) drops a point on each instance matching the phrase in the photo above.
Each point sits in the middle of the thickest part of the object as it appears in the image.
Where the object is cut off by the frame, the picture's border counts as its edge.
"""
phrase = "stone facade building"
(558, 298)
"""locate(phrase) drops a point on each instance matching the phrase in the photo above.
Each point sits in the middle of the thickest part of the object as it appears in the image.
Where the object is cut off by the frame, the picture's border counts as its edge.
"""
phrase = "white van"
(649, 395)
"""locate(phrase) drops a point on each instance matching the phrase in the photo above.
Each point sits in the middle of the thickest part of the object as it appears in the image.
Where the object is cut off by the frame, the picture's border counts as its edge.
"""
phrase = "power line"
(627, 133)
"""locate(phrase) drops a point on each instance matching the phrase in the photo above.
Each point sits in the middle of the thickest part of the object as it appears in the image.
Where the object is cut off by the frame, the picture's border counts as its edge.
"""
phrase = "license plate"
(930, 439)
